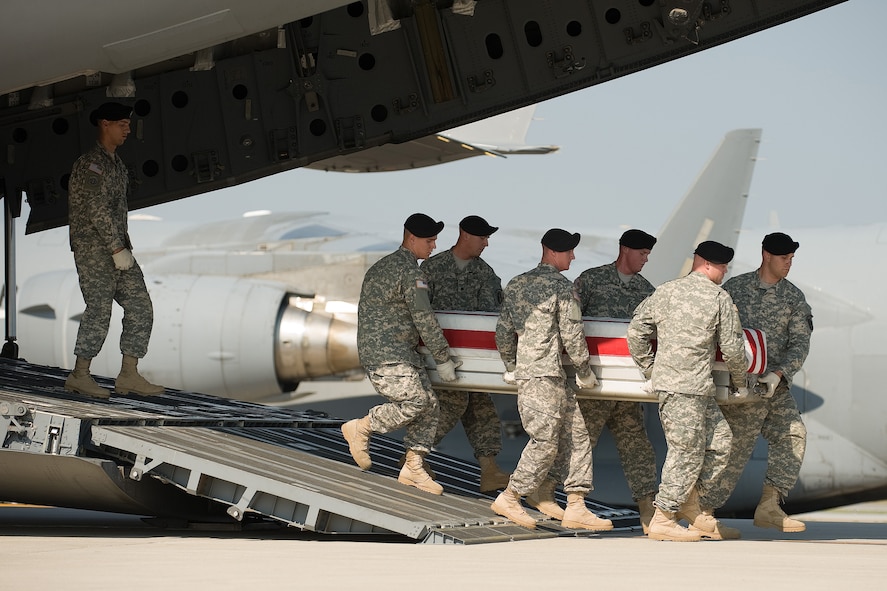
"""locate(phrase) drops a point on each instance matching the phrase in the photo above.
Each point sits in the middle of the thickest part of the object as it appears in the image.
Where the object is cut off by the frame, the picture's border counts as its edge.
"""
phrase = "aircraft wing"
(225, 92)
(500, 136)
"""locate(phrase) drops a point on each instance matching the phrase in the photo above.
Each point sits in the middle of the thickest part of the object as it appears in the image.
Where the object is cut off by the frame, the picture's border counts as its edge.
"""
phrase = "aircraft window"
(494, 46)
(533, 33)
(312, 231)
(613, 16)
(60, 126)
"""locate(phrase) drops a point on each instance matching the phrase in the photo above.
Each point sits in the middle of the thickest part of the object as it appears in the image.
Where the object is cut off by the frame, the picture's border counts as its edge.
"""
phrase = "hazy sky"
(631, 147)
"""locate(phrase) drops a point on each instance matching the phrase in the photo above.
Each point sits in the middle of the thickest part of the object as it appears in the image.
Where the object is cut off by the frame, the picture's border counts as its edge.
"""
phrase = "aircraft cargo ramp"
(186, 457)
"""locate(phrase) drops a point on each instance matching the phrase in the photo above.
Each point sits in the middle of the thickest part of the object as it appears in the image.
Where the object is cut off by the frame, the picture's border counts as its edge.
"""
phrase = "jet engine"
(229, 336)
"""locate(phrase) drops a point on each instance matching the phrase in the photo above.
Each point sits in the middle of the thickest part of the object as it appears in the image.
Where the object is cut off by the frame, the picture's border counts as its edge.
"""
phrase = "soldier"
(540, 317)
(394, 314)
(99, 237)
(689, 317)
(614, 291)
(768, 301)
(458, 279)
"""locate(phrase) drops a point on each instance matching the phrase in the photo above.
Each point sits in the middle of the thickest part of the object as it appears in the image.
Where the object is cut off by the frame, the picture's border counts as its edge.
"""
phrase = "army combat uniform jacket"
(602, 293)
(782, 312)
(540, 317)
(473, 287)
(690, 317)
(394, 314)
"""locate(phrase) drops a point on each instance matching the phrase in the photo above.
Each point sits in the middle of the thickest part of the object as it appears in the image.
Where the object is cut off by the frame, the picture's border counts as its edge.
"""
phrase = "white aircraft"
(248, 308)
(227, 91)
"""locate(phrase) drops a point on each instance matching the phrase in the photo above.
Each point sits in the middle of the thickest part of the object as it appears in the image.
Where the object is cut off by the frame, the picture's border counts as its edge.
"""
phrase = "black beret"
(422, 226)
(110, 112)
(560, 240)
(637, 239)
(714, 252)
(477, 226)
(779, 243)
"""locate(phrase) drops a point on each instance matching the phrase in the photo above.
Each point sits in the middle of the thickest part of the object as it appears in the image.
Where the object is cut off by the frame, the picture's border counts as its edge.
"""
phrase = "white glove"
(771, 381)
(508, 378)
(587, 381)
(447, 369)
(740, 393)
(123, 260)
(647, 386)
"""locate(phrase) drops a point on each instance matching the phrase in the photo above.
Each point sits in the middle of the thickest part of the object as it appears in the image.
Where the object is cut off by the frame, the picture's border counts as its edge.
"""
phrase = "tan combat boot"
(413, 474)
(769, 514)
(712, 529)
(664, 526)
(130, 380)
(403, 460)
(645, 509)
(507, 504)
(543, 500)
(81, 382)
(491, 476)
(690, 509)
(577, 515)
(357, 433)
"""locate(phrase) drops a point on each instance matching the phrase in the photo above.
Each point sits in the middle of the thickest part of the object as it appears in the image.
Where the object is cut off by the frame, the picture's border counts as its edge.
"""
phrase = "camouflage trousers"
(558, 446)
(412, 403)
(102, 284)
(479, 418)
(698, 439)
(625, 420)
(779, 421)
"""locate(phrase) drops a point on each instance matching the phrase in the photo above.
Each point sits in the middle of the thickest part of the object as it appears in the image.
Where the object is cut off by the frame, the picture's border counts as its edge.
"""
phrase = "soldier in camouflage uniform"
(458, 279)
(394, 314)
(768, 301)
(540, 317)
(614, 291)
(689, 318)
(99, 236)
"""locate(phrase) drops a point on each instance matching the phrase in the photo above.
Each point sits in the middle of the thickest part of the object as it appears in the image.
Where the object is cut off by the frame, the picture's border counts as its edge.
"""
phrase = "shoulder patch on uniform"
(421, 284)
(94, 167)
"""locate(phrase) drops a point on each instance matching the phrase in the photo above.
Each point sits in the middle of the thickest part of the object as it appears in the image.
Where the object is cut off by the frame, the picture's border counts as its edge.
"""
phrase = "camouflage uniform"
(97, 214)
(472, 287)
(689, 317)
(394, 314)
(782, 312)
(602, 293)
(540, 317)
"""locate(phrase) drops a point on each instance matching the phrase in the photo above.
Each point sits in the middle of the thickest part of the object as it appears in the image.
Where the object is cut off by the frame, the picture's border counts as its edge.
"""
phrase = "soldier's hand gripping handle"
(447, 369)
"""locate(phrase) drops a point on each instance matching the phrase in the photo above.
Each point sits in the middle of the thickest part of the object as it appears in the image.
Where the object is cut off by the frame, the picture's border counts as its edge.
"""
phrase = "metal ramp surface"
(181, 453)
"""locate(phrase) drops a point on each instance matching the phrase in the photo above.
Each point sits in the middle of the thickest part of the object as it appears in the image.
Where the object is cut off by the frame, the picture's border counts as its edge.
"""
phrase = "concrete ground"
(45, 548)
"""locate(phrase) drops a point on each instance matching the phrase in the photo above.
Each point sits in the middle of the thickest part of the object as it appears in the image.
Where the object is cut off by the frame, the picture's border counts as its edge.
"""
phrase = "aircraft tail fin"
(712, 209)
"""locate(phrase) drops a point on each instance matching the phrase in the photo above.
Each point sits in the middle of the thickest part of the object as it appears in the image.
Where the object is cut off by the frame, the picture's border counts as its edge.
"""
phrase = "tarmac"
(45, 548)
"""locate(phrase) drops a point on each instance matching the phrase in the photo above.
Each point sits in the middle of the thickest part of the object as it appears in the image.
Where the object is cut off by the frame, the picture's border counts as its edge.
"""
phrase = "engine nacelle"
(230, 336)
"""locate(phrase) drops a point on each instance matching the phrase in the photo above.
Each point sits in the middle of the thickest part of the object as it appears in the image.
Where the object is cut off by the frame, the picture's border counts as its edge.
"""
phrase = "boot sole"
(525, 524)
(422, 488)
(788, 530)
(580, 525)
(103, 396)
(666, 538)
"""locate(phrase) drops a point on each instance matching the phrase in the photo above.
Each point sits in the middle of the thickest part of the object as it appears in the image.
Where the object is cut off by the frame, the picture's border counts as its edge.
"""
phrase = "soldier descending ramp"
(167, 455)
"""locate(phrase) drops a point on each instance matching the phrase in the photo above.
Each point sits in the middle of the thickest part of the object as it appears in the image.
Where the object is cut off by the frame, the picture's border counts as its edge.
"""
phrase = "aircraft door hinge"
(680, 18)
(350, 132)
(9, 413)
(284, 144)
(645, 34)
(710, 15)
(206, 166)
(402, 107)
(481, 83)
(566, 65)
